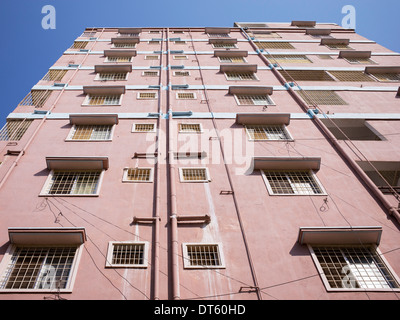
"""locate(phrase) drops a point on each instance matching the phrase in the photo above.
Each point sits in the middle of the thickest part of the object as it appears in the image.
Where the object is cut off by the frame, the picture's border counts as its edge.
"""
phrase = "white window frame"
(182, 179)
(134, 128)
(190, 132)
(139, 98)
(221, 61)
(107, 60)
(7, 260)
(110, 251)
(284, 129)
(313, 176)
(87, 99)
(152, 55)
(98, 75)
(180, 42)
(194, 96)
(185, 57)
(126, 46)
(254, 76)
(125, 175)
(45, 188)
(174, 73)
(186, 259)
(74, 127)
(234, 46)
(269, 98)
(144, 75)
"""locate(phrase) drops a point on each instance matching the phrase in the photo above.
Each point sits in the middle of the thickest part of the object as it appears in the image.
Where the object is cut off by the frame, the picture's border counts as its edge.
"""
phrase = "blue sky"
(28, 50)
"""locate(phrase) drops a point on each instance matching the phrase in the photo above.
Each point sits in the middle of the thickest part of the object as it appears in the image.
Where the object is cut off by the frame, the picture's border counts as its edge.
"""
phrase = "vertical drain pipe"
(172, 174)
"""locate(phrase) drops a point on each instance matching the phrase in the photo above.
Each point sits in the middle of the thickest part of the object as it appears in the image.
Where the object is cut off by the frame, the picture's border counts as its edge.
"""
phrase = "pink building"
(259, 161)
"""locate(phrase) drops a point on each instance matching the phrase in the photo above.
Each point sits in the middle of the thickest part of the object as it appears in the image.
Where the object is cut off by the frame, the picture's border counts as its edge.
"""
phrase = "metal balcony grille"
(54, 75)
(387, 76)
(36, 98)
(185, 95)
(264, 132)
(147, 95)
(138, 174)
(256, 100)
(14, 130)
(224, 45)
(321, 97)
(74, 182)
(306, 75)
(112, 76)
(98, 100)
(91, 132)
(203, 255)
(39, 268)
(351, 76)
(144, 127)
(150, 73)
(129, 254)
(194, 174)
(189, 127)
(296, 182)
(289, 58)
(240, 76)
(274, 45)
(119, 59)
(354, 267)
(125, 45)
(232, 59)
(79, 45)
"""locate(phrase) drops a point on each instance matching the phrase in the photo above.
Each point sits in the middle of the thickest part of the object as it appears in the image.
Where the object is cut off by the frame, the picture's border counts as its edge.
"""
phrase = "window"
(267, 132)
(218, 35)
(232, 59)
(291, 182)
(54, 75)
(147, 95)
(150, 73)
(384, 174)
(194, 175)
(103, 100)
(14, 130)
(151, 57)
(254, 100)
(339, 46)
(274, 45)
(240, 76)
(360, 60)
(79, 45)
(71, 182)
(118, 59)
(36, 98)
(181, 73)
(264, 34)
(127, 254)
(190, 128)
(288, 58)
(353, 267)
(199, 255)
(180, 42)
(353, 129)
(143, 127)
(39, 268)
(91, 132)
(125, 45)
(185, 95)
(387, 77)
(114, 76)
(321, 97)
(351, 76)
(137, 175)
(217, 45)
(180, 57)
(306, 75)
(153, 42)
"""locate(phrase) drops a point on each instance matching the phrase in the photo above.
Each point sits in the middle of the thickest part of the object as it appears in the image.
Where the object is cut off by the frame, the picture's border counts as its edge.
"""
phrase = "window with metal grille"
(88, 34)
(199, 255)
(232, 59)
(224, 46)
(291, 182)
(351, 76)
(274, 45)
(194, 175)
(360, 60)
(153, 42)
(147, 95)
(321, 97)
(150, 73)
(118, 59)
(14, 130)
(181, 73)
(125, 45)
(324, 56)
(36, 98)
(387, 77)
(185, 95)
(54, 75)
(240, 76)
(66, 182)
(114, 76)
(39, 268)
(190, 127)
(143, 127)
(137, 175)
(180, 57)
(180, 42)
(154, 31)
(255, 100)
(353, 267)
(103, 100)
(264, 34)
(386, 180)
(288, 58)
(79, 45)
(127, 254)
(339, 47)
(267, 132)
(219, 35)
(128, 35)
(91, 132)
(306, 75)
(151, 57)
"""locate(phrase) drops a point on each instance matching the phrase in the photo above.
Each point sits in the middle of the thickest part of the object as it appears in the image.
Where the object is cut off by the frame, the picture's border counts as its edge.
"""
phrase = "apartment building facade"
(253, 162)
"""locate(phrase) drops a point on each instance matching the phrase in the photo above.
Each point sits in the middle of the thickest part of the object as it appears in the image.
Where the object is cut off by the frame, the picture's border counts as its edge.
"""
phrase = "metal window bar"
(119, 59)
(360, 61)
(194, 174)
(113, 76)
(189, 127)
(138, 174)
(306, 75)
(267, 132)
(219, 35)
(180, 42)
(387, 76)
(274, 45)
(186, 95)
(289, 58)
(257, 100)
(125, 45)
(354, 267)
(39, 268)
(79, 45)
(321, 97)
(203, 255)
(325, 56)
(232, 59)
(144, 127)
(97, 100)
(74, 182)
(151, 57)
(224, 45)
(88, 34)
(339, 47)
(147, 95)
(181, 73)
(292, 182)
(36, 98)
(265, 34)
(150, 73)
(14, 130)
(128, 35)
(351, 76)
(92, 132)
(154, 42)
(128, 254)
(240, 76)
(54, 75)
(180, 57)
